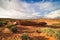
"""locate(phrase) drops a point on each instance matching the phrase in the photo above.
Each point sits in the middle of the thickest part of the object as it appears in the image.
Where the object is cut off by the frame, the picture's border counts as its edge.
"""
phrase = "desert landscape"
(29, 29)
(29, 19)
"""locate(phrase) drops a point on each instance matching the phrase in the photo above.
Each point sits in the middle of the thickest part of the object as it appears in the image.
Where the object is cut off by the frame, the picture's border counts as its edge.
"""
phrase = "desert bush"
(12, 28)
(25, 36)
(51, 32)
(2, 24)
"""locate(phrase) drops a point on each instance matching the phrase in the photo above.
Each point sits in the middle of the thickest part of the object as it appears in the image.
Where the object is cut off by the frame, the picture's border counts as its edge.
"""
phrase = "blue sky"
(51, 5)
(29, 9)
(29, 1)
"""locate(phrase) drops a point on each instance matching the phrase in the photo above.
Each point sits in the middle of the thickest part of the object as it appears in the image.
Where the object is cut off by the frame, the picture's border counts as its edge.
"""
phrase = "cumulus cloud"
(53, 14)
(16, 14)
(13, 9)
(23, 10)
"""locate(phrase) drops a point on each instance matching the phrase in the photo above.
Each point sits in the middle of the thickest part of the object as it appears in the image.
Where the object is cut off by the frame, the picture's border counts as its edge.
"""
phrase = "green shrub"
(25, 36)
(12, 28)
(52, 32)
(2, 24)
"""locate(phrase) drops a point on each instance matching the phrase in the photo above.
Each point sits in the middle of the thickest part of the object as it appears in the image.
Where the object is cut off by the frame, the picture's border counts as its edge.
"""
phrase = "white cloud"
(45, 5)
(36, 14)
(23, 10)
(16, 14)
(17, 10)
(53, 14)
(4, 13)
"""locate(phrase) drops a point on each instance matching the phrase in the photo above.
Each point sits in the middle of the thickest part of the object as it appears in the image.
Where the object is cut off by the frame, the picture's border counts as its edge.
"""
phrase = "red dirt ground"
(31, 31)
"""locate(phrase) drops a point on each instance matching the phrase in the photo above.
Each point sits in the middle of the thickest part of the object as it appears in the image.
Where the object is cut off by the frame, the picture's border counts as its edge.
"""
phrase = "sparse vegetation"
(52, 32)
(33, 28)
(25, 36)
(2, 24)
(57, 24)
(12, 28)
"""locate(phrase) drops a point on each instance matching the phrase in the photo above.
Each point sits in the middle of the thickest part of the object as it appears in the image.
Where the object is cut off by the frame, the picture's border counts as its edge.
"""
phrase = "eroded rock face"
(6, 30)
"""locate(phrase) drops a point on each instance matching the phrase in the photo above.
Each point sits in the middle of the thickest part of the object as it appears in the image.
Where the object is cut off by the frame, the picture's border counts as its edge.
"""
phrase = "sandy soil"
(30, 30)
